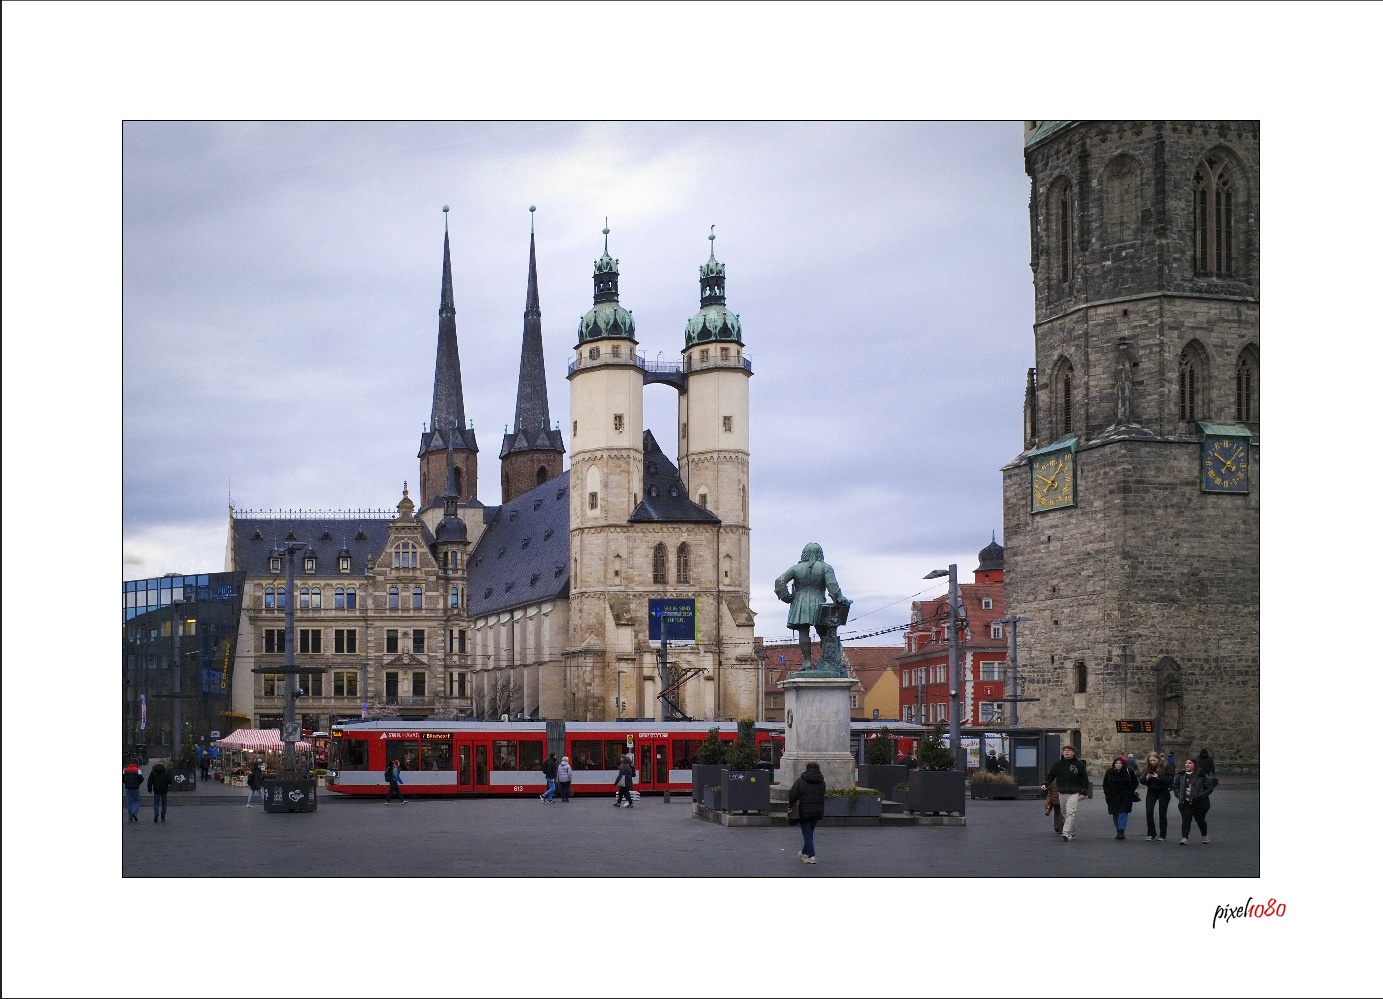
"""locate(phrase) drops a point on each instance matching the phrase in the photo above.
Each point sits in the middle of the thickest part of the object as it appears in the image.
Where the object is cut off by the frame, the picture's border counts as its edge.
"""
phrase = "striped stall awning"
(261, 740)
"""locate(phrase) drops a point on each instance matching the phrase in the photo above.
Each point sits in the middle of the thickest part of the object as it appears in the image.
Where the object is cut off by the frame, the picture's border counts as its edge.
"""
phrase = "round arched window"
(394, 597)
(417, 598)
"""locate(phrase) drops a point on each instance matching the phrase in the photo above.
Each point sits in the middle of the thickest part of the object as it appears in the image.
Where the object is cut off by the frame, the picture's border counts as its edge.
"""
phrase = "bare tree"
(500, 698)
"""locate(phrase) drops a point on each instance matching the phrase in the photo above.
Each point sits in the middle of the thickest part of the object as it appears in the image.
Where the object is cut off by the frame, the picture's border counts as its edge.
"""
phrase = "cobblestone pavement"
(497, 837)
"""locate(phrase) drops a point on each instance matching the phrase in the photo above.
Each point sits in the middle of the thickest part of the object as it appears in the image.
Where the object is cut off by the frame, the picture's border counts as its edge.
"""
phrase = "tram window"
(463, 758)
(482, 766)
(613, 751)
(506, 755)
(531, 754)
(355, 754)
(684, 753)
(403, 750)
(437, 754)
(585, 755)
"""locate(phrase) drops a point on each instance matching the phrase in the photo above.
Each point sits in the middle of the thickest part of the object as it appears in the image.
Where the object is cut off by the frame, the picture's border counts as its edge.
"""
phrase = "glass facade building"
(206, 617)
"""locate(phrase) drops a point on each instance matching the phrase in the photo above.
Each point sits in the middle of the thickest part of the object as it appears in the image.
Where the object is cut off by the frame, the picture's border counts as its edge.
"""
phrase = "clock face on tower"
(1053, 481)
(1225, 465)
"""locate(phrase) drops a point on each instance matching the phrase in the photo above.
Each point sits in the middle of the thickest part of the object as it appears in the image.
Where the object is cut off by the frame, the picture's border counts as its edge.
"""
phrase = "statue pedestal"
(817, 729)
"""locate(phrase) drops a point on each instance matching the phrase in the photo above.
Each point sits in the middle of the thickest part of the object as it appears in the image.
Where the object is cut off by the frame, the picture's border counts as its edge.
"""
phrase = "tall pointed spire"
(447, 426)
(533, 433)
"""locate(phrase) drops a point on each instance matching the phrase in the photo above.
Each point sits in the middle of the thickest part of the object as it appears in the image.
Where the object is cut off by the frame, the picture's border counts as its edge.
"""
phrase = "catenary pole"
(953, 668)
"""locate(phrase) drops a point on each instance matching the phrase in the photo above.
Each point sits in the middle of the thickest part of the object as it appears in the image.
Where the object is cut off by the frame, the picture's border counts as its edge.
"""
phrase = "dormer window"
(309, 565)
(547, 534)
(276, 565)
(345, 563)
(524, 542)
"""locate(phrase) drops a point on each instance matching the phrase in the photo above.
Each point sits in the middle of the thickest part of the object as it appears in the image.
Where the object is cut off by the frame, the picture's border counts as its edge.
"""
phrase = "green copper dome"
(607, 317)
(714, 321)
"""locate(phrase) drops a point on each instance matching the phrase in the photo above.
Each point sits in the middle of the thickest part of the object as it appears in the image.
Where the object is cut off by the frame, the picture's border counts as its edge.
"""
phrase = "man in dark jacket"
(392, 775)
(991, 763)
(131, 778)
(550, 772)
(809, 795)
(158, 787)
(1073, 786)
(625, 782)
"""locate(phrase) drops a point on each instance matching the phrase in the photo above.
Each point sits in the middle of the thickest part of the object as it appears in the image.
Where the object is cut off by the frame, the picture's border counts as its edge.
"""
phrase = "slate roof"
(532, 425)
(665, 498)
(523, 556)
(254, 539)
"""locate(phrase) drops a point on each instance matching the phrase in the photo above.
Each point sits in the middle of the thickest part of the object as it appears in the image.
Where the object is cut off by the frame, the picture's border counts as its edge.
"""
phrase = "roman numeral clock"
(1224, 458)
(1054, 475)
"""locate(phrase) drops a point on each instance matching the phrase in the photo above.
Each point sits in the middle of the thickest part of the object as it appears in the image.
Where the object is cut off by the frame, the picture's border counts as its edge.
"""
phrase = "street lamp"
(953, 600)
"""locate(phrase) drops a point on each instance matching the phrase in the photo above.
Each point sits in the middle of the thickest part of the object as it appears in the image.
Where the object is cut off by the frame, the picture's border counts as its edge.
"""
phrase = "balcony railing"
(665, 368)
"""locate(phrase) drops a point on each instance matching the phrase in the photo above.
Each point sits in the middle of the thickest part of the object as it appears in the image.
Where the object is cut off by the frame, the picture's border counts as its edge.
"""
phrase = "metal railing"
(661, 367)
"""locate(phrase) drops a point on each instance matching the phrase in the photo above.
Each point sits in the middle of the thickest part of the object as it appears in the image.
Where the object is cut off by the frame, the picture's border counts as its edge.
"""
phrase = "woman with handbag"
(1120, 792)
(1159, 785)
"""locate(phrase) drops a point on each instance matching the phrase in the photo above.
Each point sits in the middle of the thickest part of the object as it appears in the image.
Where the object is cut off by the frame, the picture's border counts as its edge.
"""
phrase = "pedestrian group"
(1068, 784)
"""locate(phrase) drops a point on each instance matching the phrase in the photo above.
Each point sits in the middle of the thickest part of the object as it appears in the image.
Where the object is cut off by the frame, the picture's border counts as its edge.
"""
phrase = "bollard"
(667, 797)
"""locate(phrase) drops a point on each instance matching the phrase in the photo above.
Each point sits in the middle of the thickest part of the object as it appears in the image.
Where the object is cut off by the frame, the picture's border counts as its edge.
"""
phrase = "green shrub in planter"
(856, 801)
(879, 751)
(932, 755)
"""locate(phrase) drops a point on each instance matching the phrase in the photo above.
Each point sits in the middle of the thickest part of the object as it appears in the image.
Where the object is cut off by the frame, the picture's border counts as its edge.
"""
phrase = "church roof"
(524, 553)
(447, 427)
(1045, 130)
(665, 496)
(255, 539)
(992, 556)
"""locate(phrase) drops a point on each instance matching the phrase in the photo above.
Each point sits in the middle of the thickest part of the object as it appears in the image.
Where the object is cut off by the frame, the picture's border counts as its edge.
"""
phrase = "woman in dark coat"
(1119, 788)
(809, 795)
(1192, 789)
(1159, 785)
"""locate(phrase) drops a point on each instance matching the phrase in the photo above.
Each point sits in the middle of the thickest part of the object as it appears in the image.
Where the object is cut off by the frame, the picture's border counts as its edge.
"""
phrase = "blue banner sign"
(676, 618)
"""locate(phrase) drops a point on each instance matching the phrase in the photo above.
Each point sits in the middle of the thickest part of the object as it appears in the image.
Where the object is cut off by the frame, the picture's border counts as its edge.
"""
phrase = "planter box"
(987, 790)
(290, 795)
(881, 778)
(746, 790)
(902, 795)
(710, 799)
(866, 805)
(182, 780)
(702, 775)
(937, 791)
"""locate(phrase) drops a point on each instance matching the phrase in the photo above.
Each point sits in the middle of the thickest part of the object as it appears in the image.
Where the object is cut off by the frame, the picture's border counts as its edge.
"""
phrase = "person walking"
(1192, 789)
(204, 763)
(564, 779)
(131, 778)
(256, 783)
(1159, 785)
(808, 793)
(395, 778)
(550, 772)
(1120, 788)
(625, 782)
(1073, 786)
(1206, 763)
(159, 779)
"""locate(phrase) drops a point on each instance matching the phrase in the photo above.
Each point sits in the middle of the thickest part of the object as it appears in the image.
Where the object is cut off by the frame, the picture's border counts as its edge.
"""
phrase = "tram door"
(463, 765)
(472, 765)
(653, 764)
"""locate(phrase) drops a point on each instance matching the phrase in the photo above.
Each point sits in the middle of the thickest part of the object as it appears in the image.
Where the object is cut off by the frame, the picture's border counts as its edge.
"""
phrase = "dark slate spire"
(532, 429)
(448, 424)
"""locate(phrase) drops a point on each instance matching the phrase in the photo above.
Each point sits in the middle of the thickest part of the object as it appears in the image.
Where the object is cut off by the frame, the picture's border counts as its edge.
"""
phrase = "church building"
(1131, 516)
(539, 607)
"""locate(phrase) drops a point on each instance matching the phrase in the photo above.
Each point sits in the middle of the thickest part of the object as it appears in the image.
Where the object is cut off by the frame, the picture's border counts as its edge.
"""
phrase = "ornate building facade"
(1131, 517)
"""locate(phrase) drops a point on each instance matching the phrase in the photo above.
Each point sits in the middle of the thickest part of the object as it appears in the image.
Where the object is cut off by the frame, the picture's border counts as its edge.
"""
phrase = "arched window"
(1062, 408)
(405, 555)
(1062, 222)
(659, 563)
(394, 597)
(1245, 385)
(302, 598)
(542, 474)
(340, 598)
(1080, 678)
(350, 598)
(268, 598)
(283, 598)
(455, 598)
(316, 597)
(1191, 384)
(417, 598)
(1214, 206)
(683, 563)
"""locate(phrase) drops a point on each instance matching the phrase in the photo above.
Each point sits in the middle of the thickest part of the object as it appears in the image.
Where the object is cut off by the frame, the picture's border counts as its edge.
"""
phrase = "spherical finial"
(532, 208)
(446, 208)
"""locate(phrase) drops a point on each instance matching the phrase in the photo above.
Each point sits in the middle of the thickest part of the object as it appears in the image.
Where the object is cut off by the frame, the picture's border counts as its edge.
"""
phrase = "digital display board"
(674, 617)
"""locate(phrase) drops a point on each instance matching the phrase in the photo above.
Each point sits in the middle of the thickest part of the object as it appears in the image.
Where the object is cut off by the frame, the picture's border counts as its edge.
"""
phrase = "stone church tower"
(1131, 516)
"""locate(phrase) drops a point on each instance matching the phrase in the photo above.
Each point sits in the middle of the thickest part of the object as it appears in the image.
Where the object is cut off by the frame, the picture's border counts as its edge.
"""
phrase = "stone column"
(817, 719)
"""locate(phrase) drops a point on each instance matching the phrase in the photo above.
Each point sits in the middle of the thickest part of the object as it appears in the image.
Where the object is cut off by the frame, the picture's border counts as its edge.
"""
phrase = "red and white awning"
(259, 740)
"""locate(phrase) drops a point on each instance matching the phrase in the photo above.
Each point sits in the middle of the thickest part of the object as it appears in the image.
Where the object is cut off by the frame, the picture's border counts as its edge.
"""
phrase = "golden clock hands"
(1049, 482)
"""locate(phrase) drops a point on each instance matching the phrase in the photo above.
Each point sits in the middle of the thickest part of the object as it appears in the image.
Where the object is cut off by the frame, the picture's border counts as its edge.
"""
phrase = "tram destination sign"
(1140, 725)
(675, 618)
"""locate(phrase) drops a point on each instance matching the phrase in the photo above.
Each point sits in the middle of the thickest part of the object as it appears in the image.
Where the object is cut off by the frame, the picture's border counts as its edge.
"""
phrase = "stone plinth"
(817, 729)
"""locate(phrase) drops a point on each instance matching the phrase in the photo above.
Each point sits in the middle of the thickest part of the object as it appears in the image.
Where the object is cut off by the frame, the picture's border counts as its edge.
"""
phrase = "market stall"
(243, 747)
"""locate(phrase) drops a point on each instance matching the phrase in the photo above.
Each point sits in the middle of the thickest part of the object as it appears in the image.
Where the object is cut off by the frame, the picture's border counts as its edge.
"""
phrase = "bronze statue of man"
(812, 579)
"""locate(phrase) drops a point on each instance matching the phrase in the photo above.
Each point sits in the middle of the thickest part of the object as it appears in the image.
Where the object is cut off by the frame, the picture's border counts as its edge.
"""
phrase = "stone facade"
(1144, 591)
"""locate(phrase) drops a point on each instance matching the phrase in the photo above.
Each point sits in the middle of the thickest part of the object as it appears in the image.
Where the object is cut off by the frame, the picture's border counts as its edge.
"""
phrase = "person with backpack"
(625, 782)
(808, 793)
(550, 772)
(159, 779)
(1192, 790)
(564, 779)
(256, 783)
(392, 775)
(1073, 786)
(1120, 790)
(131, 778)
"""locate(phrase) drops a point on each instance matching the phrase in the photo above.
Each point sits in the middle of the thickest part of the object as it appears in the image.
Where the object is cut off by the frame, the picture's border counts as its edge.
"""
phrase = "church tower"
(713, 421)
(1131, 517)
(532, 453)
(447, 428)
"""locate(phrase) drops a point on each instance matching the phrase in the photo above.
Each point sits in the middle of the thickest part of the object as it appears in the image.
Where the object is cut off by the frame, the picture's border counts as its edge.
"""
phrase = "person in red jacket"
(131, 778)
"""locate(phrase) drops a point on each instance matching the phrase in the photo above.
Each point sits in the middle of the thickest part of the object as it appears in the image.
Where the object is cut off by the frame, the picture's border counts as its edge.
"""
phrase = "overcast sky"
(280, 318)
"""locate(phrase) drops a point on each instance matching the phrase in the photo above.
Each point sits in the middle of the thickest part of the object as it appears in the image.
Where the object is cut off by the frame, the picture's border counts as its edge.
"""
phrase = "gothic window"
(1061, 227)
(340, 598)
(350, 598)
(1191, 384)
(1245, 385)
(417, 598)
(1062, 410)
(541, 477)
(1215, 203)
(405, 555)
(703, 498)
(393, 597)
(683, 563)
(1122, 192)
(659, 564)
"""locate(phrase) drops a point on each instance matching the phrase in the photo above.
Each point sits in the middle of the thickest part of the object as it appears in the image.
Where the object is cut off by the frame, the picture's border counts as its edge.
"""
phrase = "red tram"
(505, 758)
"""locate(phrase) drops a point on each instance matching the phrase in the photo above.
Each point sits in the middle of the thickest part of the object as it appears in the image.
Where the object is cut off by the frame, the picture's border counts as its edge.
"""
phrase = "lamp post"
(953, 600)
(290, 675)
